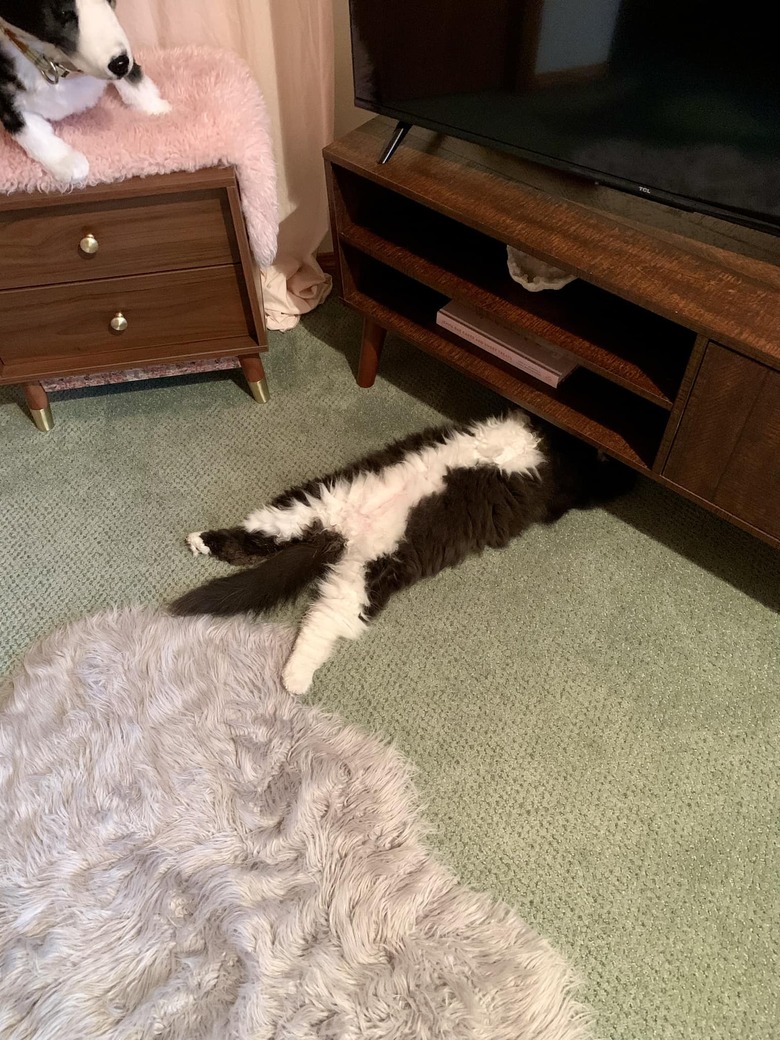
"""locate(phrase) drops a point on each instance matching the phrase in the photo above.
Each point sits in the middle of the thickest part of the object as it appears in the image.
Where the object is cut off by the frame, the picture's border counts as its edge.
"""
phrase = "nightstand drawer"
(84, 241)
(183, 307)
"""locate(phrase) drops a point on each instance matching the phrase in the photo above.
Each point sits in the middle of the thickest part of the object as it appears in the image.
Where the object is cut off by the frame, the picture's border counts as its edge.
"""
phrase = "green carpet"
(592, 712)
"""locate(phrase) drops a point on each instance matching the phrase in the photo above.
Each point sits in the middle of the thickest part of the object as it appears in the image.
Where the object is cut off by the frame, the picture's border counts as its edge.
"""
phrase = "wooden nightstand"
(145, 271)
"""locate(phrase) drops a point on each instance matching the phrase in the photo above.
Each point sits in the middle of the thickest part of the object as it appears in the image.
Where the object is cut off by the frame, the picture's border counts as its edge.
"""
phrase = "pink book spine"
(544, 375)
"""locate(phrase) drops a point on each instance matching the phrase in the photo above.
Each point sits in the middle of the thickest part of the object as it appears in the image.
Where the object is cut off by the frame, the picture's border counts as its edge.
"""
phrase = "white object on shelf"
(548, 364)
(535, 275)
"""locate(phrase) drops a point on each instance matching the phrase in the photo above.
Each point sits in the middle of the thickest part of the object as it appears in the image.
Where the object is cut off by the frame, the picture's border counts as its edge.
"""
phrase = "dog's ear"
(55, 22)
(29, 17)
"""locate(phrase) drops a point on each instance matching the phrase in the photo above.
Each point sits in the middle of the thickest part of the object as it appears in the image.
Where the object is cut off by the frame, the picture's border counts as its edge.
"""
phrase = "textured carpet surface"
(192, 853)
(593, 712)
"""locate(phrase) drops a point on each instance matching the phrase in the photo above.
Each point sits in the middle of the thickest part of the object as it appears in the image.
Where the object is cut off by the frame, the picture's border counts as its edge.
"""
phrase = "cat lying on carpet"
(394, 517)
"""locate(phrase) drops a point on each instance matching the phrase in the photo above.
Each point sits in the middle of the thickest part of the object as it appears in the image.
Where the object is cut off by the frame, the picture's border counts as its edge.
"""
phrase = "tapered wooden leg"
(254, 373)
(370, 352)
(38, 403)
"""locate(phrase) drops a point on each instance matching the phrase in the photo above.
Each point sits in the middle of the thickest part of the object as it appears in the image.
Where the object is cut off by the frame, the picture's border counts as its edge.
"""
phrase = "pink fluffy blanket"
(219, 118)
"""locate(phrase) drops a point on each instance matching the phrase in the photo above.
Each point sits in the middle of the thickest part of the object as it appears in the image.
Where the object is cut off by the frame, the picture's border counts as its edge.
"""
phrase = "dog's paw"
(295, 678)
(142, 95)
(197, 546)
(156, 107)
(71, 167)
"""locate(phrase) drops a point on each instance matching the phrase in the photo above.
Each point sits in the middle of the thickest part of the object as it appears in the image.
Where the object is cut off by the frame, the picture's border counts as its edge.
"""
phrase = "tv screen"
(677, 100)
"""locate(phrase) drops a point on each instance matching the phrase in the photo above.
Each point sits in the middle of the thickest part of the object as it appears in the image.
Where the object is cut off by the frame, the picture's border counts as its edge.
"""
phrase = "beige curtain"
(289, 47)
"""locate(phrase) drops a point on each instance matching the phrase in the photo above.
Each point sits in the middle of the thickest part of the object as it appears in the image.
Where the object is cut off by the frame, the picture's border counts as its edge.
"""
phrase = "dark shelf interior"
(627, 426)
(624, 343)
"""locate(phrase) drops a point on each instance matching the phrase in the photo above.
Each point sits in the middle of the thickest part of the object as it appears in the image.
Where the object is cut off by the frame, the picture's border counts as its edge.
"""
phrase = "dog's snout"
(119, 66)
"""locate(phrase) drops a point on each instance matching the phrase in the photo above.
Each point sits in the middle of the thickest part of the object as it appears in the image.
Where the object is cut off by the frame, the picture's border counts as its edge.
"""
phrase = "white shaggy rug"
(187, 852)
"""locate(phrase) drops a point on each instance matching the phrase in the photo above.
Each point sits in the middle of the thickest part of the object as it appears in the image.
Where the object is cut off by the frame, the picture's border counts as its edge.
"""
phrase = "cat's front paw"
(71, 167)
(296, 678)
(197, 546)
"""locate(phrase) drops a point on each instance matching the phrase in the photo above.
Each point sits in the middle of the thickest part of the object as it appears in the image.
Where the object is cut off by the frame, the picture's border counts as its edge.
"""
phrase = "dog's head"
(85, 32)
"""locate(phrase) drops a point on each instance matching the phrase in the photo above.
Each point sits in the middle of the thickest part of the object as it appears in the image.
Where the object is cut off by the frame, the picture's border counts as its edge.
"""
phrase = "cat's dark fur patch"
(483, 508)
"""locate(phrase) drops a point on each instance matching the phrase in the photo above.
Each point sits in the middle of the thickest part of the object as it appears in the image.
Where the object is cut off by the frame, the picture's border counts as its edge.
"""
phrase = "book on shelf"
(548, 364)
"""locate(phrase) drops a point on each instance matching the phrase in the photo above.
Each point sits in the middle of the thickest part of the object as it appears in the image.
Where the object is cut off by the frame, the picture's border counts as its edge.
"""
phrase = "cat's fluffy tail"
(278, 579)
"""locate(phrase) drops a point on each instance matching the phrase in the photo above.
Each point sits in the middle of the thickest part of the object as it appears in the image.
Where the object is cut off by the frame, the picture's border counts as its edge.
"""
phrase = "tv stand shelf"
(674, 318)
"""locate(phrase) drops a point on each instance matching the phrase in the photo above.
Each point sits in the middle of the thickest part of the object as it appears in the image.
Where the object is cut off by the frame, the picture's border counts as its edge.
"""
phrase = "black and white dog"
(56, 58)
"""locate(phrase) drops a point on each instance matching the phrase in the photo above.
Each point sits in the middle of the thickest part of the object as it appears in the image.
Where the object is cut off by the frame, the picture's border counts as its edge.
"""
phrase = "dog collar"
(52, 71)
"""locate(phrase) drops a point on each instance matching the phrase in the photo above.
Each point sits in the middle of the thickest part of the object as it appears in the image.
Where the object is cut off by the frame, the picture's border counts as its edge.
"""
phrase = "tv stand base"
(400, 132)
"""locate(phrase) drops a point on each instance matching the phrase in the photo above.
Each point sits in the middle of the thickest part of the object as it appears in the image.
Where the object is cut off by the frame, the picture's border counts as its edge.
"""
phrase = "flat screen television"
(675, 100)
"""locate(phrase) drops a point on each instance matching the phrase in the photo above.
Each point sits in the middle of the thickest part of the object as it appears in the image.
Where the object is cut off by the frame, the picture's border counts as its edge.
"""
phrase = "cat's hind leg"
(262, 534)
(233, 545)
(337, 613)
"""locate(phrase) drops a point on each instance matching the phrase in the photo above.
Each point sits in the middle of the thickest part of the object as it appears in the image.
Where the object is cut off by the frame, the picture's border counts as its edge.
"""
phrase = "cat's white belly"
(371, 511)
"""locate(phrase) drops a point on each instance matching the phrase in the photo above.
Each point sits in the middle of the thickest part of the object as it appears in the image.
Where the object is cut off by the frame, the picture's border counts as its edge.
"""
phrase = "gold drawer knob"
(89, 245)
(119, 322)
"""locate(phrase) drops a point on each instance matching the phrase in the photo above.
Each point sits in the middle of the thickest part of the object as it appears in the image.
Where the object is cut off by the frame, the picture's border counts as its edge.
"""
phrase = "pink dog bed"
(219, 118)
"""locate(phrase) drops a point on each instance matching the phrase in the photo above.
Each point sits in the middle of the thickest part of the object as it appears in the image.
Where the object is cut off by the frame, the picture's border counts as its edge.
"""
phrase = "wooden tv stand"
(675, 318)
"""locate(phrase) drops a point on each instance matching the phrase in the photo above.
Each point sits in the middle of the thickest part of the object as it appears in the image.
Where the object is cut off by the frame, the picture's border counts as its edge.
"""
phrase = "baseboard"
(327, 262)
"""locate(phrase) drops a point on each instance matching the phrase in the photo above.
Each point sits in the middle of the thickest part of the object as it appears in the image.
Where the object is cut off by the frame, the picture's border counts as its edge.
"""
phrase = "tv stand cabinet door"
(727, 449)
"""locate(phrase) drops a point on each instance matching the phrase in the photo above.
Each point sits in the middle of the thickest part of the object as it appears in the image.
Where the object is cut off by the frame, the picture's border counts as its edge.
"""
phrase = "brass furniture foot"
(38, 403)
(252, 367)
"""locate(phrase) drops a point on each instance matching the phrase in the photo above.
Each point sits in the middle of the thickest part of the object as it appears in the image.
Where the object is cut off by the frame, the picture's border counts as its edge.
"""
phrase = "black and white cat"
(393, 518)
